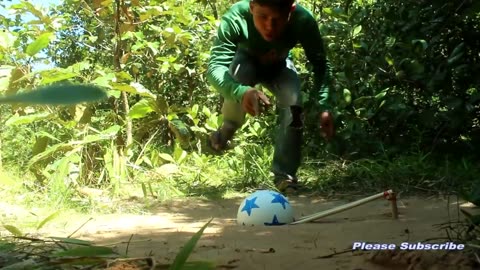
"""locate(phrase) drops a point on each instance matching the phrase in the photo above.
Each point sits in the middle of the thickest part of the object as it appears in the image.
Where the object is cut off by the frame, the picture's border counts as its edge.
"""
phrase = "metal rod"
(341, 208)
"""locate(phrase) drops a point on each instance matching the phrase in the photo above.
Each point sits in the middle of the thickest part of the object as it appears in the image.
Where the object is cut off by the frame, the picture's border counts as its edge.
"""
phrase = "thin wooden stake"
(344, 207)
(393, 201)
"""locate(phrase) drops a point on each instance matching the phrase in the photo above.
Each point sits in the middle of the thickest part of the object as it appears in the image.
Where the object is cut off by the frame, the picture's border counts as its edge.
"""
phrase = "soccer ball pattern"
(265, 208)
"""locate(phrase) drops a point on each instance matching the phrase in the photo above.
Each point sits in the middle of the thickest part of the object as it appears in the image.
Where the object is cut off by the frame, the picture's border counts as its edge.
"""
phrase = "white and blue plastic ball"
(265, 208)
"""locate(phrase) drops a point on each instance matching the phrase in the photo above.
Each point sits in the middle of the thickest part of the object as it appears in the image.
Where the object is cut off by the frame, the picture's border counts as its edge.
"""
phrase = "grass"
(410, 173)
(234, 174)
(217, 178)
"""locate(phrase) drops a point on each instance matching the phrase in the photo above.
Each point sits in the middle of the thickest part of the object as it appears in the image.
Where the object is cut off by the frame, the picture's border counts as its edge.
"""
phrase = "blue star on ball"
(274, 222)
(279, 199)
(249, 205)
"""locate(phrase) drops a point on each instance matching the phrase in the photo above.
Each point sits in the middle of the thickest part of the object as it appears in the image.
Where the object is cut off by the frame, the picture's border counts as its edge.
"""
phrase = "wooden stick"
(393, 201)
(342, 208)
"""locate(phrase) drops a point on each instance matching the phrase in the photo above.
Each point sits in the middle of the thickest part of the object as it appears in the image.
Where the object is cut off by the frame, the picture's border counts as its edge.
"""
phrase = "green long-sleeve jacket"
(237, 31)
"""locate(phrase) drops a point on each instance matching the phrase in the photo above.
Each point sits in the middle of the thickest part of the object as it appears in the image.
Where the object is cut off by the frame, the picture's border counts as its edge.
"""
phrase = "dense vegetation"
(406, 96)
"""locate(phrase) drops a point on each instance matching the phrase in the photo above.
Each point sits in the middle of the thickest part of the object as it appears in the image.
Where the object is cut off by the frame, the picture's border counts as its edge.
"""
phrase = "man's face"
(269, 21)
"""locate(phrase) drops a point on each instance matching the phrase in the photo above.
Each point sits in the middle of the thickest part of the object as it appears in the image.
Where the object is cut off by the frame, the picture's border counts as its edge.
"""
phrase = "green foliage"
(402, 69)
(182, 256)
(13, 230)
(48, 219)
(67, 251)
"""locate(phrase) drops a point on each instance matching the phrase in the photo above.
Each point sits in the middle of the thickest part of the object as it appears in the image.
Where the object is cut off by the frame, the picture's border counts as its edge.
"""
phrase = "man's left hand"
(326, 125)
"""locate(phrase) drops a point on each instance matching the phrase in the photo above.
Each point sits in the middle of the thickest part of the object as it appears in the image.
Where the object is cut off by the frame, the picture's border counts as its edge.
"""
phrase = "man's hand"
(326, 125)
(254, 102)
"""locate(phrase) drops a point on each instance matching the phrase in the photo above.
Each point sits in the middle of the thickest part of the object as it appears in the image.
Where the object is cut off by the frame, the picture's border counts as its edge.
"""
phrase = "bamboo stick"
(342, 208)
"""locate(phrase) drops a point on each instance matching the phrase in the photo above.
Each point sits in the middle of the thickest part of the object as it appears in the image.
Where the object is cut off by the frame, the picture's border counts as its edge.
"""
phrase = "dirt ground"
(162, 233)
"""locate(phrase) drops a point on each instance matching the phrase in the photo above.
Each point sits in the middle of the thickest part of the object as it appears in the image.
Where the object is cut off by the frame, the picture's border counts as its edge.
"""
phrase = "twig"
(436, 238)
(150, 261)
(334, 253)
(472, 245)
(476, 256)
(128, 245)
(79, 228)
(33, 239)
(125, 242)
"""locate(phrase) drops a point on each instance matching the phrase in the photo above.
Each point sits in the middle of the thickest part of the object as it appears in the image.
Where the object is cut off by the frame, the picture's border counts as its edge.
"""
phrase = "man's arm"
(312, 43)
(222, 54)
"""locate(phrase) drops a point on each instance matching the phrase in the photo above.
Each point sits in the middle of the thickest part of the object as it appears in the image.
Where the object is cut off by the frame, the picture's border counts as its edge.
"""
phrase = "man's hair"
(281, 5)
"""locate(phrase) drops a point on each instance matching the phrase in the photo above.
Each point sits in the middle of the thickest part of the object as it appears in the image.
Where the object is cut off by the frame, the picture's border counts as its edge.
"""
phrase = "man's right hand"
(254, 101)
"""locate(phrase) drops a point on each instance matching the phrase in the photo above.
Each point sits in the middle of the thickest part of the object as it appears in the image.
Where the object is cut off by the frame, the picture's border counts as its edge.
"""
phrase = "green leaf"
(49, 152)
(166, 157)
(182, 157)
(90, 251)
(142, 90)
(122, 77)
(47, 219)
(154, 47)
(422, 43)
(389, 60)
(194, 111)
(58, 95)
(80, 66)
(13, 230)
(5, 74)
(40, 43)
(55, 75)
(111, 131)
(347, 95)
(382, 104)
(27, 119)
(123, 87)
(357, 30)
(362, 101)
(381, 95)
(185, 252)
(107, 3)
(30, 7)
(390, 41)
(167, 170)
(105, 80)
(327, 11)
(206, 111)
(155, 28)
(72, 241)
(458, 50)
(454, 59)
(165, 67)
(199, 129)
(144, 190)
(140, 109)
(161, 105)
(7, 40)
(180, 129)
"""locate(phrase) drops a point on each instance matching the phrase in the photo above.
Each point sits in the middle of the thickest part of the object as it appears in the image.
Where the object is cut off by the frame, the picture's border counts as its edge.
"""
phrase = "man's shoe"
(287, 185)
(215, 144)
(219, 141)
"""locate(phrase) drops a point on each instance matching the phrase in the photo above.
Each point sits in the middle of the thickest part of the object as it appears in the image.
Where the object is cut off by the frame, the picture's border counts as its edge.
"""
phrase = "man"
(252, 47)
